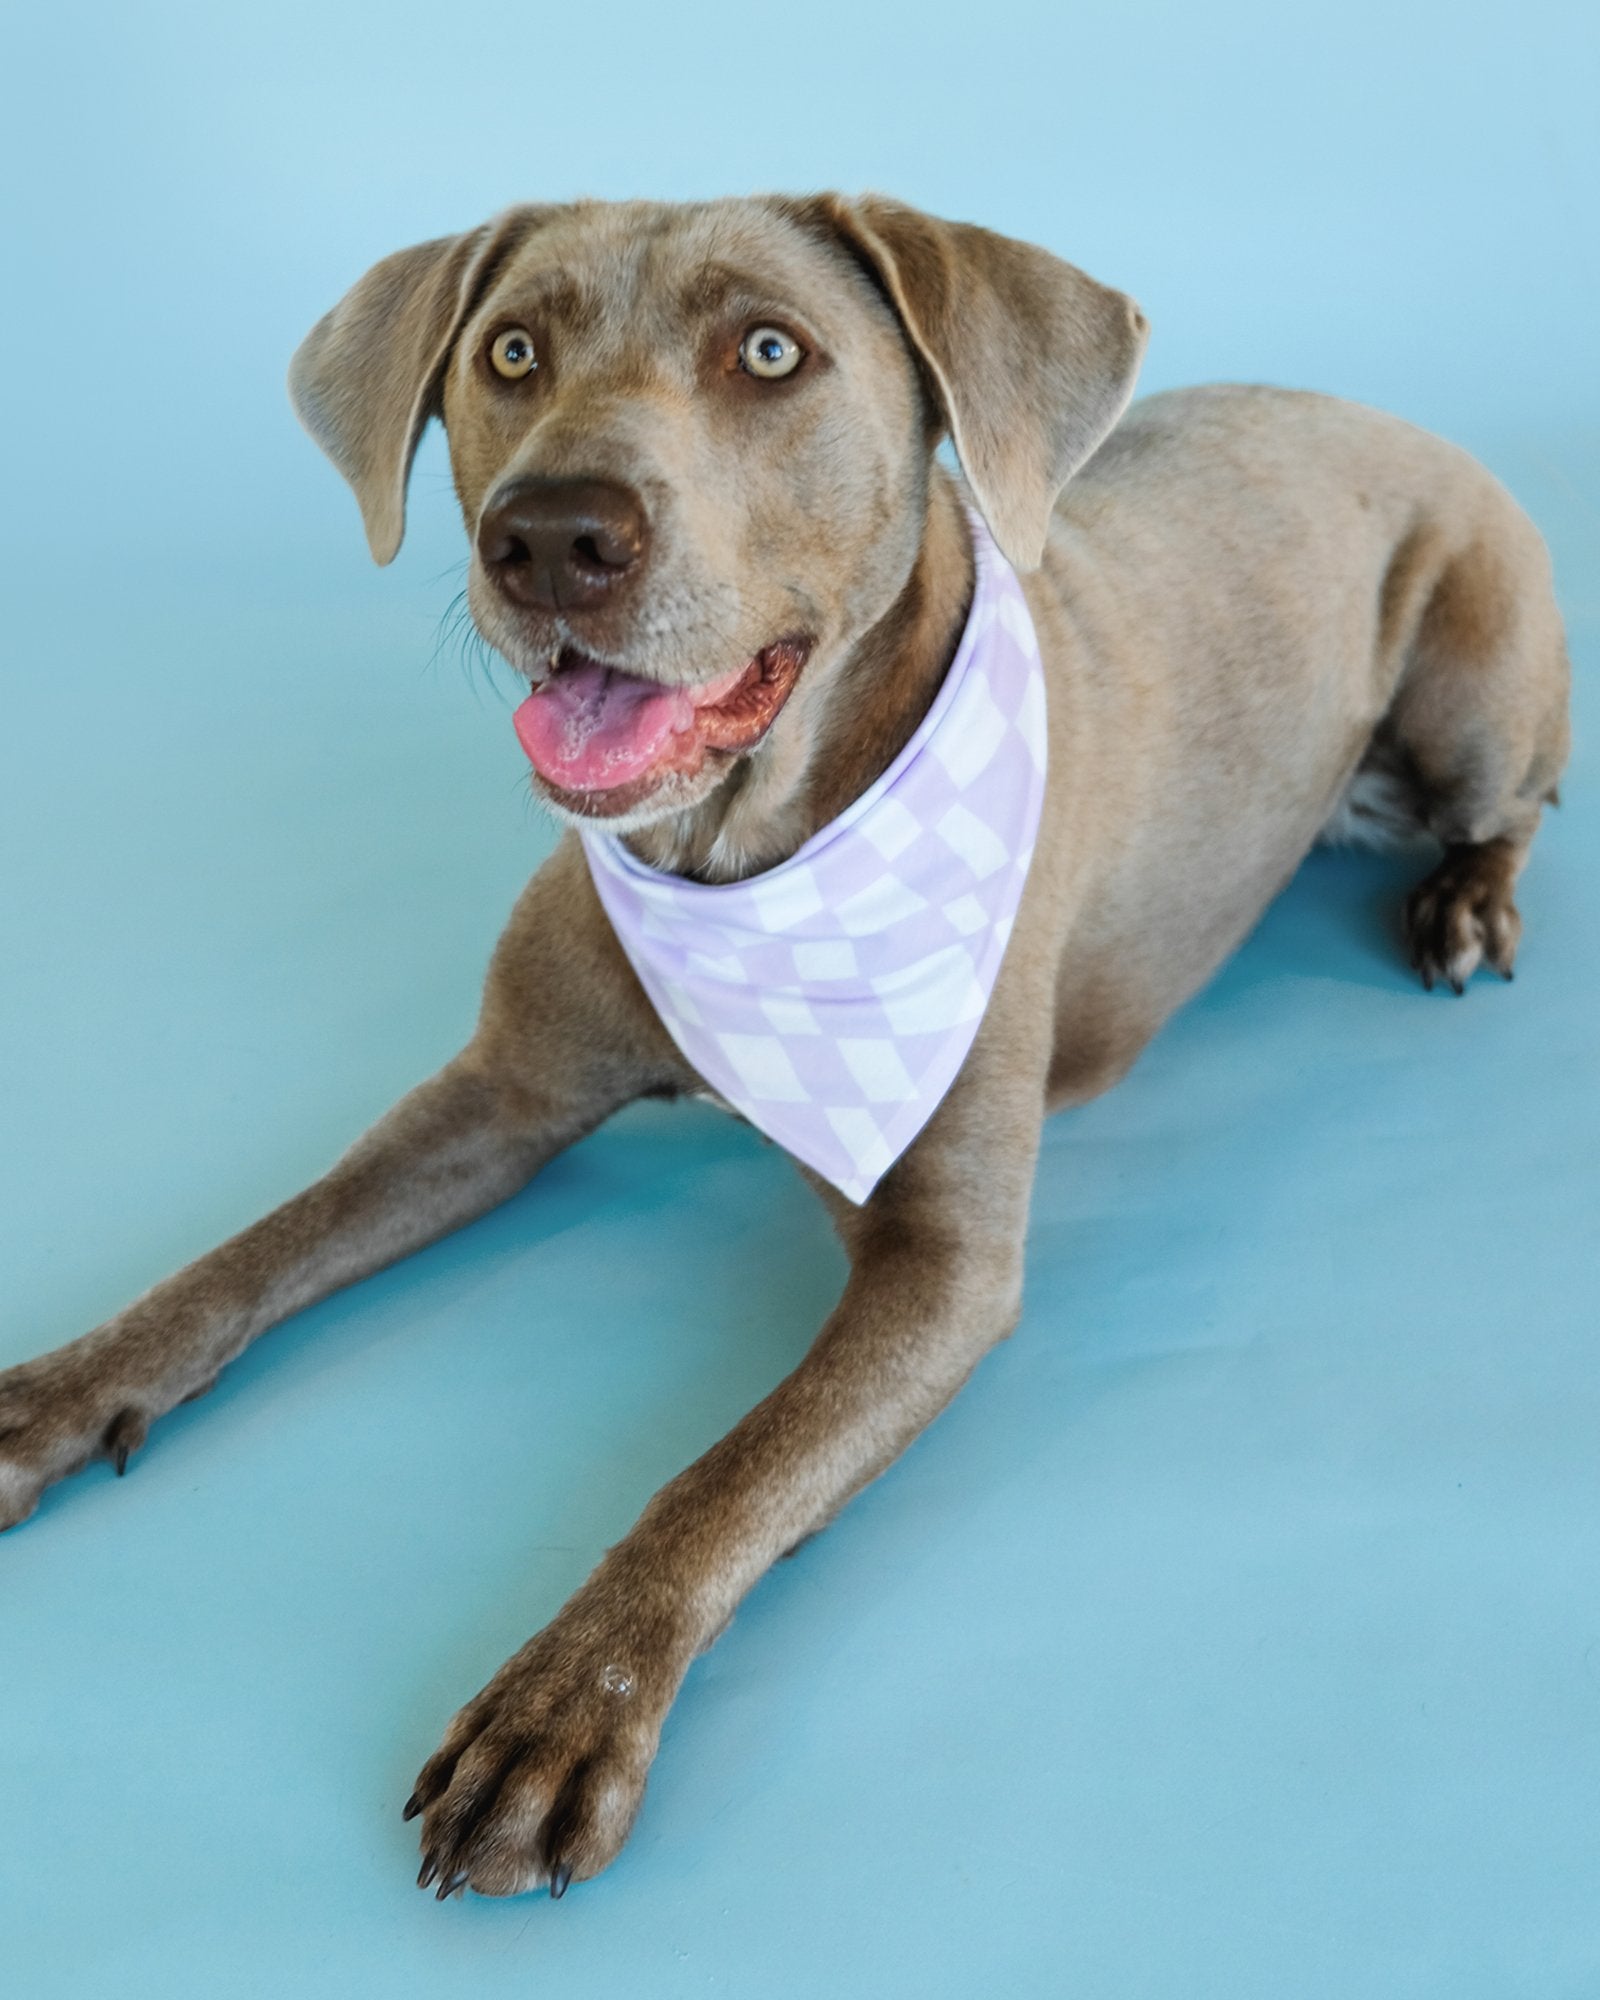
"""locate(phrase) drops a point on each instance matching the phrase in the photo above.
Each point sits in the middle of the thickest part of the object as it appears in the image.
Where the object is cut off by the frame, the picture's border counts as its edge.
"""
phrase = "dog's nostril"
(505, 552)
(607, 545)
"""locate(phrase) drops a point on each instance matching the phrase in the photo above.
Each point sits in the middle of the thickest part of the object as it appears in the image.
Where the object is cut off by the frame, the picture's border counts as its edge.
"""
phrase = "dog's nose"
(562, 544)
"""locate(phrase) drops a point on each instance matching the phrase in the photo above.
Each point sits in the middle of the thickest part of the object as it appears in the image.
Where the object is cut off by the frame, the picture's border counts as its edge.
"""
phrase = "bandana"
(832, 999)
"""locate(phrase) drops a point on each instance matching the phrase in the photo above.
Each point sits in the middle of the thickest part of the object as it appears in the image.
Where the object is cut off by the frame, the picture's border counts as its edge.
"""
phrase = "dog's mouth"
(605, 737)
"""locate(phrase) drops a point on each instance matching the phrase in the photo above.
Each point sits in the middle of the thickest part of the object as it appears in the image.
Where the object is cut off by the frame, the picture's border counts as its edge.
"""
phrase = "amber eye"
(769, 352)
(512, 353)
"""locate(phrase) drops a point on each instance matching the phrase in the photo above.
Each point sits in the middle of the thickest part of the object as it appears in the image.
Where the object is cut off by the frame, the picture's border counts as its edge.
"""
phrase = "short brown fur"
(1266, 617)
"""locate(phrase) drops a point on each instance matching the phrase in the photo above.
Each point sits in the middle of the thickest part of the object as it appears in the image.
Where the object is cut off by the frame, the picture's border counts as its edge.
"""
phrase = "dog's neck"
(774, 803)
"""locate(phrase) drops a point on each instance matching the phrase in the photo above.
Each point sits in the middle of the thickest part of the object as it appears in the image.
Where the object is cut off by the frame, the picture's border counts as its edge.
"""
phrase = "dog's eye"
(770, 353)
(512, 353)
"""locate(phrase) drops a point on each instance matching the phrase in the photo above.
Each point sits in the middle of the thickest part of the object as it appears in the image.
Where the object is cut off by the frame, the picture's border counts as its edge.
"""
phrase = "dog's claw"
(124, 1435)
(412, 1807)
(560, 1876)
(1458, 987)
(427, 1872)
(453, 1884)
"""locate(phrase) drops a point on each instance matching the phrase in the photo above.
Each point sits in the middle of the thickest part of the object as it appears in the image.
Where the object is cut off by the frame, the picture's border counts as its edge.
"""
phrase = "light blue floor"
(1236, 1636)
(1236, 1633)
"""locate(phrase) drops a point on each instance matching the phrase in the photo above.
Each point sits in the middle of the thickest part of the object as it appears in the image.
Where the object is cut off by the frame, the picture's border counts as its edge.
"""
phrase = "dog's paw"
(1462, 917)
(56, 1414)
(538, 1779)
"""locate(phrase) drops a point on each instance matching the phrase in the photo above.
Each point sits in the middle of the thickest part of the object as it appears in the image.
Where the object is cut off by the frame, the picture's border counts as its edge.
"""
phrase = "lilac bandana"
(833, 999)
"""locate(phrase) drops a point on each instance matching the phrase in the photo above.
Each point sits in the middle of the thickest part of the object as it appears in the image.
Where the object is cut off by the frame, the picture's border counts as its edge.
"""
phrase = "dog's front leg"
(566, 1036)
(540, 1776)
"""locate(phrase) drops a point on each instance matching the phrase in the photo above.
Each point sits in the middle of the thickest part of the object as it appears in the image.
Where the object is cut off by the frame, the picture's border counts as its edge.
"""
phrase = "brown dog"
(692, 438)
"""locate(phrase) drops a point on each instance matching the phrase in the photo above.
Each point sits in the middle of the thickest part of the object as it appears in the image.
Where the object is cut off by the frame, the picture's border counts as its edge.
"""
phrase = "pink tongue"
(590, 727)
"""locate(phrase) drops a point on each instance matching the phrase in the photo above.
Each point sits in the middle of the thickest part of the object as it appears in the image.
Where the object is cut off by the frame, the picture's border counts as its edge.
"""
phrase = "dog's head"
(692, 445)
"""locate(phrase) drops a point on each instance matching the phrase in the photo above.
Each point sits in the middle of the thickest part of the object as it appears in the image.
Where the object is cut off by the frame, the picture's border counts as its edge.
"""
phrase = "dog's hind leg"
(1478, 734)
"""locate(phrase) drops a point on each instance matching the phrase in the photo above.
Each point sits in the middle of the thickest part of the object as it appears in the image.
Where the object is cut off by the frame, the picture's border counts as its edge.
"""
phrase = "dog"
(698, 450)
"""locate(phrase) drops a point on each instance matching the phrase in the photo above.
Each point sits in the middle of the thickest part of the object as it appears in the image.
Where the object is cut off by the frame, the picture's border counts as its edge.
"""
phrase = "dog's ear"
(1030, 360)
(366, 378)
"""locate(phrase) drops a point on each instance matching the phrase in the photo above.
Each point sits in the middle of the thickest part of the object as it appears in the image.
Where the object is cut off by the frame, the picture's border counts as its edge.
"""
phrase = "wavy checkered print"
(833, 999)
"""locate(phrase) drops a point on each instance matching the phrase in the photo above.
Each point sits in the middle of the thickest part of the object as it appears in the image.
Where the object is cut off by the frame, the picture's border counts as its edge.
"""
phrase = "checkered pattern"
(833, 999)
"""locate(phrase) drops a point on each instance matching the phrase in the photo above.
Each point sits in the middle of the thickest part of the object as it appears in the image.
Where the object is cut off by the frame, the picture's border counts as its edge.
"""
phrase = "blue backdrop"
(1236, 1633)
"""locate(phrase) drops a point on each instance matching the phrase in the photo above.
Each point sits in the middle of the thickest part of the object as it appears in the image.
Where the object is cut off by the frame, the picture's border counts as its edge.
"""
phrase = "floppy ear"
(1031, 361)
(366, 378)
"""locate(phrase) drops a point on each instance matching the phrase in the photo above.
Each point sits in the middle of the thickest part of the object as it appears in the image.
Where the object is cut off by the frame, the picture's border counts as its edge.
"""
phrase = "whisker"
(478, 660)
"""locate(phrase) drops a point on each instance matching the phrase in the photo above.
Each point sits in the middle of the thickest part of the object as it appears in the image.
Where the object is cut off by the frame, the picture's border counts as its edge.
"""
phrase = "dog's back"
(1275, 615)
